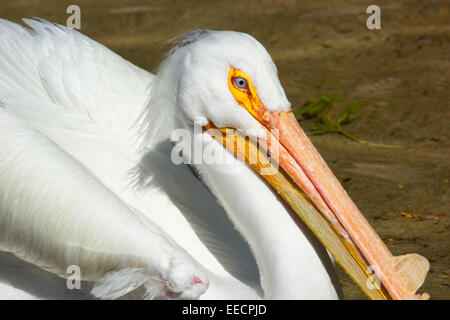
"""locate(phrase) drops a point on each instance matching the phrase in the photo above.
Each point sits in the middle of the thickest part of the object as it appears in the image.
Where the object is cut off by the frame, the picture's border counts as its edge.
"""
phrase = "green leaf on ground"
(329, 118)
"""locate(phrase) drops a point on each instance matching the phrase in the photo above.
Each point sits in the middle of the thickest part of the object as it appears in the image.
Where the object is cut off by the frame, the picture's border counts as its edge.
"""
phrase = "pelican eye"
(240, 83)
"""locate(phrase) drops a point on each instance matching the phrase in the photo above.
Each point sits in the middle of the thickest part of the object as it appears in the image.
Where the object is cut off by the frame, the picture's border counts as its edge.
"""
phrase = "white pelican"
(87, 176)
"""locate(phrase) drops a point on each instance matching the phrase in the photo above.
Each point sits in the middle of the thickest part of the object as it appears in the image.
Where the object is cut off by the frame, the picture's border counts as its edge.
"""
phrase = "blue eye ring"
(240, 83)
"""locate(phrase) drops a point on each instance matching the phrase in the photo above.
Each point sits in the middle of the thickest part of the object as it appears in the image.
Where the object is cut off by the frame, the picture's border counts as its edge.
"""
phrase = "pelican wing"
(76, 189)
(63, 97)
(55, 214)
(76, 74)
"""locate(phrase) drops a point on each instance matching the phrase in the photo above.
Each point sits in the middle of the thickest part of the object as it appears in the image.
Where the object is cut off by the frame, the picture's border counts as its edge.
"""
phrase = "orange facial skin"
(248, 98)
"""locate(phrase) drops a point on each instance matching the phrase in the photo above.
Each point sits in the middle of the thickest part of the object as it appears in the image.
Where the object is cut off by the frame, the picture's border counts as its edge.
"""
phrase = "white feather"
(86, 176)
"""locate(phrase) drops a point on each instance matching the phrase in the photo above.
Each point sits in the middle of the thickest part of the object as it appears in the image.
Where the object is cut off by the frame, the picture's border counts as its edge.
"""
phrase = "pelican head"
(240, 65)
(226, 79)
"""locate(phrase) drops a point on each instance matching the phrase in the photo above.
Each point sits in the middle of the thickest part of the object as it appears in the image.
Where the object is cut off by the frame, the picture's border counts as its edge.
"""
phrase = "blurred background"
(392, 85)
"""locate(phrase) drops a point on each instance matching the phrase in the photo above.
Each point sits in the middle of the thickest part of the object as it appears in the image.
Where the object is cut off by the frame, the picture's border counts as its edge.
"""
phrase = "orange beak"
(400, 276)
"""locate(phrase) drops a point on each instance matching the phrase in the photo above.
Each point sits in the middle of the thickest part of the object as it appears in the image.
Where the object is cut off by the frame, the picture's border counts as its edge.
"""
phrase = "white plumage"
(86, 176)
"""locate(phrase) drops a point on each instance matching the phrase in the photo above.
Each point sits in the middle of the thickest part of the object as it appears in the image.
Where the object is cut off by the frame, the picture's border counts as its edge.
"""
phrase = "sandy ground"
(322, 47)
